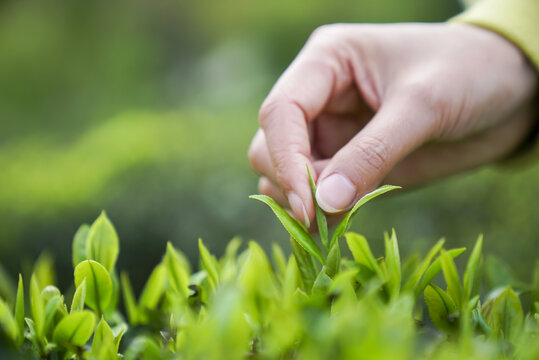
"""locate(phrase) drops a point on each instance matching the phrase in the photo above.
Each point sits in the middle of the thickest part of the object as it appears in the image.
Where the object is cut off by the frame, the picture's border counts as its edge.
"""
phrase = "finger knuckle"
(267, 109)
(373, 153)
(254, 157)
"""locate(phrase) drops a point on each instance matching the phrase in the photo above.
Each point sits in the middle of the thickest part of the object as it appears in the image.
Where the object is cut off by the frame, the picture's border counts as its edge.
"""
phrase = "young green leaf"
(304, 263)
(333, 261)
(472, 268)
(291, 280)
(414, 279)
(98, 284)
(129, 298)
(344, 225)
(279, 260)
(454, 287)
(362, 253)
(176, 271)
(52, 306)
(393, 264)
(143, 347)
(102, 244)
(75, 329)
(506, 316)
(322, 283)
(320, 216)
(8, 322)
(295, 229)
(37, 307)
(209, 264)
(434, 269)
(103, 337)
(19, 311)
(153, 289)
(79, 244)
(79, 297)
(44, 270)
(440, 307)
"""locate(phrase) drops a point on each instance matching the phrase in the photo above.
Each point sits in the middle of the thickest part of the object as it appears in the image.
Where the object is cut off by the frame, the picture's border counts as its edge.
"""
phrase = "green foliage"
(240, 307)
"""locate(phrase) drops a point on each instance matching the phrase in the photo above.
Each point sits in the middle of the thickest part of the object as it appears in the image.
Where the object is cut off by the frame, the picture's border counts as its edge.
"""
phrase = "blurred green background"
(146, 109)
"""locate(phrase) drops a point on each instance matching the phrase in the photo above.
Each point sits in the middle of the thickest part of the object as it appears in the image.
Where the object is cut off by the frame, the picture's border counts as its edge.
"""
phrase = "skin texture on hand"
(402, 104)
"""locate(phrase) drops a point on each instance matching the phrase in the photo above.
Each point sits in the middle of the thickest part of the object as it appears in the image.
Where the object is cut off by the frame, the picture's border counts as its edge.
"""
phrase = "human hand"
(396, 103)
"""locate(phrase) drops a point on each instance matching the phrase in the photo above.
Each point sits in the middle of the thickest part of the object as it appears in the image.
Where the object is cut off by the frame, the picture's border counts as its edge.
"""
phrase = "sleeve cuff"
(516, 20)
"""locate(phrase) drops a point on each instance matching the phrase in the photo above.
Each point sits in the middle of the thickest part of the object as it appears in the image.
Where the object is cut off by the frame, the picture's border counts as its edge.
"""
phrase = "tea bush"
(314, 304)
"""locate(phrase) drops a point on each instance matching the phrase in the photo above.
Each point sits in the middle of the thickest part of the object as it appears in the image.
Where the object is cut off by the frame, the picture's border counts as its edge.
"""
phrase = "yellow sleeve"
(517, 21)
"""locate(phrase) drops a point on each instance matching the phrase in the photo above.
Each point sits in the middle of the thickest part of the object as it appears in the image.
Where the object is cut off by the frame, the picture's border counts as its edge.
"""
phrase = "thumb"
(363, 162)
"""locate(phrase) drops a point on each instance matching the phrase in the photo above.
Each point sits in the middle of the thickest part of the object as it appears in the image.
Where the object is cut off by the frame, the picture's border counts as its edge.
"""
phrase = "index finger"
(298, 97)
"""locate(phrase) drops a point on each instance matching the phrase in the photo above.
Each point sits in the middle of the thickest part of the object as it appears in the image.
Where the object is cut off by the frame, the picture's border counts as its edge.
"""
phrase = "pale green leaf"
(413, 281)
(304, 263)
(98, 284)
(75, 329)
(19, 311)
(362, 253)
(505, 316)
(102, 244)
(209, 263)
(434, 269)
(44, 270)
(393, 264)
(345, 223)
(129, 298)
(177, 274)
(333, 261)
(79, 244)
(79, 297)
(279, 260)
(454, 287)
(472, 268)
(440, 307)
(37, 307)
(8, 322)
(321, 220)
(295, 229)
(103, 337)
(154, 288)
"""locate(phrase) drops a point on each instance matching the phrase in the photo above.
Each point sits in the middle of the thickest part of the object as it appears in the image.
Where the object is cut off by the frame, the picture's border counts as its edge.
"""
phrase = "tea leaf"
(7, 321)
(37, 307)
(471, 272)
(414, 280)
(53, 305)
(176, 271)
(154, 288)
(98, 284)
(333, 261)
(322, 283)
(440, 306)
(291, 280)
(321, 220)
(393, 264)
(44, 270)
(143, 347)
(129, 298)
(362, 253)
(506, 316)
(79, 244)
(434, 269)
(344, 225)
(304, 263)
(102, 243)
(454, 288)
(209, 264)
(103, 338)
(295, 229)
(79, 297)
(19, 311)
(279, 260)
(75, 329)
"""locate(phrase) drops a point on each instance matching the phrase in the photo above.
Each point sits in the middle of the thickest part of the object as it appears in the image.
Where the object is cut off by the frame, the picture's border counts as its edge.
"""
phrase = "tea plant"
(314, 304)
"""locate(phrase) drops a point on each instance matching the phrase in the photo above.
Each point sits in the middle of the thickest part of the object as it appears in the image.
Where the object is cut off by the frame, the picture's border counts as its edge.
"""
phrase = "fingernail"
(298, 208)
(335, 193)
